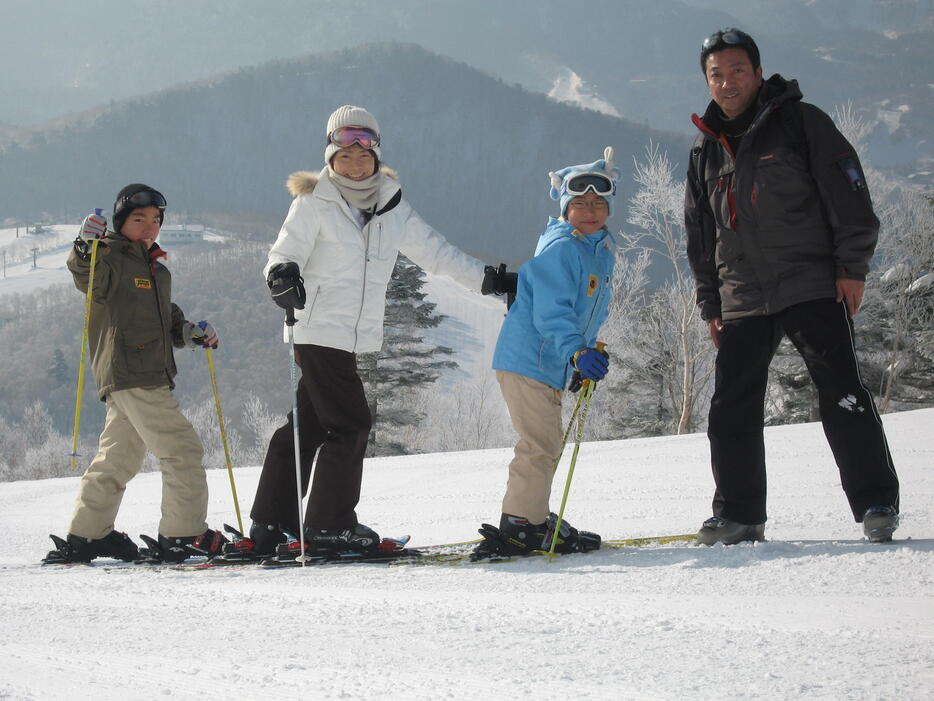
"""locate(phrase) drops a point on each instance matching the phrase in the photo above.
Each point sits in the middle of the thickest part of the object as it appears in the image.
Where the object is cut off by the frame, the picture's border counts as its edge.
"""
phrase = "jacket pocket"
(143, 354)
(783, 192)
(305, 314)
(720, 197)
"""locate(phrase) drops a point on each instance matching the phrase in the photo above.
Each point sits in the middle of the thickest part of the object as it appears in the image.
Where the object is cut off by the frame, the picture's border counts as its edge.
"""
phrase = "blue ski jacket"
(562, 300)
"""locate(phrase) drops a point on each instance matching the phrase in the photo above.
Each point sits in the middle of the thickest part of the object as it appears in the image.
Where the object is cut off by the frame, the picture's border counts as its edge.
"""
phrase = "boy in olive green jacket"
(132, 329)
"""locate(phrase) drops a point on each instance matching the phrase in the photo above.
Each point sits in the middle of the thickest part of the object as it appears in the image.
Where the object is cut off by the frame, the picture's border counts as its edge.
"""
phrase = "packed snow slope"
(814, 613)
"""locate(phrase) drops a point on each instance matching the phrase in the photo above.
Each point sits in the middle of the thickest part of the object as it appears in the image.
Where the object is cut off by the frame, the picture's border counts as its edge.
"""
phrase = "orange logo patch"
(142, 283)
(592, 285)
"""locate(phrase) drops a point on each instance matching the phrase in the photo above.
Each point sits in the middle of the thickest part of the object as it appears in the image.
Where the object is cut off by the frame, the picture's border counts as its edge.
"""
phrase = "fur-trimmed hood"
(303, 182)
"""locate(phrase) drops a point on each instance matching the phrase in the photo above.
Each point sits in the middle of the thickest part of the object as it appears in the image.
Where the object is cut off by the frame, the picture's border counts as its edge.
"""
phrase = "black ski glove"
(286, 286)
(496, 281)
(83, 248)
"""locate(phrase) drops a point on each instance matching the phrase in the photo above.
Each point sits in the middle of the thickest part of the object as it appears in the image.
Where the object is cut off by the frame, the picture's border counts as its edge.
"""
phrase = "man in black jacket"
(780, 231)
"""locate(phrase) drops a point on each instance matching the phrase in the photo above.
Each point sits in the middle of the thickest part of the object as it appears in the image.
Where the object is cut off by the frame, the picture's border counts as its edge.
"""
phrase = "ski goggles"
(733, 37)
(597, 183)
(144, 198)
(348, 136)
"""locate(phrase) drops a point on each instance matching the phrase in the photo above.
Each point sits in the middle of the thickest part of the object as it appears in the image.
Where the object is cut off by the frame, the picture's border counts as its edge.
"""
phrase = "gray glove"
(200, 335)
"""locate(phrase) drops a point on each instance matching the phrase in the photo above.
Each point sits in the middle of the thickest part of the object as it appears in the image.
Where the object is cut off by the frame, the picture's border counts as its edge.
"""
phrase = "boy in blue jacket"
(562, 301)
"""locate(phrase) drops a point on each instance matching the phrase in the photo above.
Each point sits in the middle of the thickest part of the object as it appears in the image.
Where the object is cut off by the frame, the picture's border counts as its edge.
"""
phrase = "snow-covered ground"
(21, 271)
(815, 613)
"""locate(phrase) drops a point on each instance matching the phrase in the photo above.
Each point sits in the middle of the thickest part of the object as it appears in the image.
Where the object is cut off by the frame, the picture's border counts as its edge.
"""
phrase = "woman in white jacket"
(341, 237)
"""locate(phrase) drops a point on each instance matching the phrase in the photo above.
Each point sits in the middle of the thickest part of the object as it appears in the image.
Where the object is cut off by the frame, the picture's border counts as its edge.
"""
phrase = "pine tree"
(58, 368)
(405, 362)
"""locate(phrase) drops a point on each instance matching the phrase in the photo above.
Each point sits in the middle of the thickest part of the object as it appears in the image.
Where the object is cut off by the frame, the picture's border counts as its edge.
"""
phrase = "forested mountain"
(626, 57)
(473, 153)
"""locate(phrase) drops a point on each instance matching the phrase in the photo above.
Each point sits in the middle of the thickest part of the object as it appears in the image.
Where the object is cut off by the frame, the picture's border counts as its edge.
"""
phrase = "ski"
(459, 553)
(393, 552)
(651, 540)
(388, 549)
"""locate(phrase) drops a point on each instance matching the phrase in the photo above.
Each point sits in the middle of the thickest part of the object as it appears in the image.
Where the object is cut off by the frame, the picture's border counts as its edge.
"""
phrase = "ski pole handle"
(290, 316)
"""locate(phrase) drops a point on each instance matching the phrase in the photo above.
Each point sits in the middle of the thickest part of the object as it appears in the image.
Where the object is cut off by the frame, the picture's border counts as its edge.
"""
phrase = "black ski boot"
(332, 544)
(171, 550)
(570, 540)
(260, 544)
(517, 536)
(76, 549)
(879, 523)
(360, 538)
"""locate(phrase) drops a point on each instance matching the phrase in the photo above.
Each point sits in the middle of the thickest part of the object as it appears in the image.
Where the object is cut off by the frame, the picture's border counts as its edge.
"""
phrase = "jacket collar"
(774, 92)
(119, 242)
(325, 189)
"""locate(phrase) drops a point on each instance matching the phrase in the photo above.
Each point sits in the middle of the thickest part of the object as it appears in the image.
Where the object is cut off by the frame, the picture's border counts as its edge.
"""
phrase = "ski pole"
(290, 323)
(567, 431)
(84, 343)
(587, 391)
(587, 388)
(220, 422)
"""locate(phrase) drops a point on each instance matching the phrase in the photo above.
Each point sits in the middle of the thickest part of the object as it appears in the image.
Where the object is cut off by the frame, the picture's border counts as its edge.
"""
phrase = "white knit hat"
(349, 116)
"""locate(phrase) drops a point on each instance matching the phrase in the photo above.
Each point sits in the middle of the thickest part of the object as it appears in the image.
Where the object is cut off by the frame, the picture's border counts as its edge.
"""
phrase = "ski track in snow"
(815, 613)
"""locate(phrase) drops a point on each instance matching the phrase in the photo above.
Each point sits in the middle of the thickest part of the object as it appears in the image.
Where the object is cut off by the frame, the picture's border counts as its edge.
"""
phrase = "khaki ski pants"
(139, 419)
(535, 410)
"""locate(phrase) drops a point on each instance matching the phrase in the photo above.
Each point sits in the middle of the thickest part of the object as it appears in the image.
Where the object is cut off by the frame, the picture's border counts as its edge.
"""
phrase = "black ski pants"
(333, 414)
(822, 332)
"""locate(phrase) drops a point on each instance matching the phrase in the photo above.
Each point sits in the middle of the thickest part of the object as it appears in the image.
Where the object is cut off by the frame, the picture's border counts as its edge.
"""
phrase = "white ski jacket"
(347, 269)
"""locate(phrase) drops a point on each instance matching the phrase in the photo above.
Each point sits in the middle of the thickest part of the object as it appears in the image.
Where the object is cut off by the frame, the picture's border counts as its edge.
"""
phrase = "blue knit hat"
(560, 178)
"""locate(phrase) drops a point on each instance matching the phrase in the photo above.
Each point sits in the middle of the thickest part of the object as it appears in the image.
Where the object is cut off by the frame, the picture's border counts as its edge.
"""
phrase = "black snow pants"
(333, 414)
(822, 332)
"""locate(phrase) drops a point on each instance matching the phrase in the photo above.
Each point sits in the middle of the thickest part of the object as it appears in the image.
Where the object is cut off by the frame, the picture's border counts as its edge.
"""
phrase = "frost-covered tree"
(468, 417)
(662, 354)
(899, 310)
(261, 423)
(203, 418)
(897, 317)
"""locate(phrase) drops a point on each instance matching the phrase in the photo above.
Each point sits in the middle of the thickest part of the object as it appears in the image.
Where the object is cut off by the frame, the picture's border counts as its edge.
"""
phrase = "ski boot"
(360, 538)
(324, 543)
(260, 544)
(721, 530)
(76, 549)
(174, 550)
(879, 523)
(517, 536)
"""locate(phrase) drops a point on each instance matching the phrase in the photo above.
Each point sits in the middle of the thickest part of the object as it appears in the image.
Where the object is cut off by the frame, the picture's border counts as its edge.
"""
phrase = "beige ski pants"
(139, 419)
(535, 410)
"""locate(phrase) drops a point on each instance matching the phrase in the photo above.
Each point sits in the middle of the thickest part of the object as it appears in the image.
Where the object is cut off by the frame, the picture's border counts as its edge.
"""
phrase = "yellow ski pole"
(81, 362)
(587, 388)
(220, 422)
(587, 391)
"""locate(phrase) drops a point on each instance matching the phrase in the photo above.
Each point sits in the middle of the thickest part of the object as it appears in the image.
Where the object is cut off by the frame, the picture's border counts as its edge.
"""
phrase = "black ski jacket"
(778, 222)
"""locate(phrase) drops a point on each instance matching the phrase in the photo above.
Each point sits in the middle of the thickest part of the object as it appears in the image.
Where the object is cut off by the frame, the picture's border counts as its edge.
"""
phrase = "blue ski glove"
(200, 335)
(592, 363)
